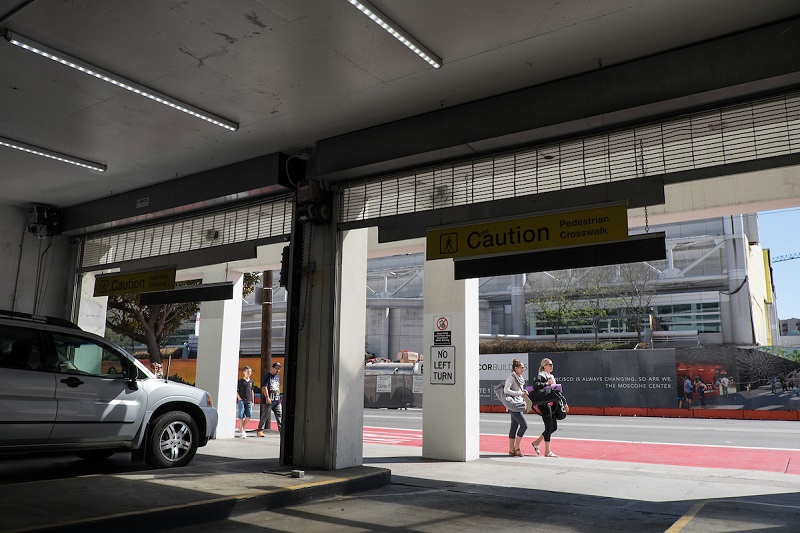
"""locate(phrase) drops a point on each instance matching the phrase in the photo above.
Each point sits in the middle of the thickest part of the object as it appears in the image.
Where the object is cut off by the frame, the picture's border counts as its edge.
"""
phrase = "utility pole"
(266, 323)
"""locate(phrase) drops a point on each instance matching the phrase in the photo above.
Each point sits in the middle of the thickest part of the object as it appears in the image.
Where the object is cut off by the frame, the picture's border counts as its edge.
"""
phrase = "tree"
(152, 325)
(551, 297)
(638, 289)
(598, 295)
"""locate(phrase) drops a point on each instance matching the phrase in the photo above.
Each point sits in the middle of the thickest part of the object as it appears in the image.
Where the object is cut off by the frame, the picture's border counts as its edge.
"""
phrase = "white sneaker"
(244, 434)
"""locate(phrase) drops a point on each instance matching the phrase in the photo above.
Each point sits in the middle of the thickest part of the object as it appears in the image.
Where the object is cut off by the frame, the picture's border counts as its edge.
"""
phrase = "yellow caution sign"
(116, 284)
(555, 230)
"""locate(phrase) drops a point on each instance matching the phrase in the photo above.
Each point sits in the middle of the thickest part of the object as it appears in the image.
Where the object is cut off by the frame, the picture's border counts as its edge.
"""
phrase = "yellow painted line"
(192, 504)
(687, 517)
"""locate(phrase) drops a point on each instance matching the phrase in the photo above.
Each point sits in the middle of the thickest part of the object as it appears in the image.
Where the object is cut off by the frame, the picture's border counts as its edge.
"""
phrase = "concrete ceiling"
(292, 73)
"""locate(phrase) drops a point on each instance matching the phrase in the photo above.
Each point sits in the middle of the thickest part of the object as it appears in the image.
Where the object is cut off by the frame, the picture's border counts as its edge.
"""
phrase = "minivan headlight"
(209, 400)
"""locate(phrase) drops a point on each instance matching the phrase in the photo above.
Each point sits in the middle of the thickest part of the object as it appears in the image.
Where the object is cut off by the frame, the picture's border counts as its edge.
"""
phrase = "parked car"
(63, 389)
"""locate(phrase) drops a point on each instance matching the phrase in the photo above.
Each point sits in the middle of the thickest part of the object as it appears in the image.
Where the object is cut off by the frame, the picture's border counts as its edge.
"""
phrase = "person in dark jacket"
(700, 391)
(546, 410)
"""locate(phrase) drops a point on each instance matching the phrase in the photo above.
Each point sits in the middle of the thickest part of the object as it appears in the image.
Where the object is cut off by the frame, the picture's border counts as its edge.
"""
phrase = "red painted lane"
(757, 459)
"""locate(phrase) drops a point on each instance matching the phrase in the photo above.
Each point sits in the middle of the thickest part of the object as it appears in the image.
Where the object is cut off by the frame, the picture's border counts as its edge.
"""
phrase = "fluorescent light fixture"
(397, 32)
(16, 145)
(119, 81)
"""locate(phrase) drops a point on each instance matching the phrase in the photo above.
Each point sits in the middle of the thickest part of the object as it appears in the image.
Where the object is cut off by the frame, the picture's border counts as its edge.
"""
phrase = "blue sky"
(778, 231)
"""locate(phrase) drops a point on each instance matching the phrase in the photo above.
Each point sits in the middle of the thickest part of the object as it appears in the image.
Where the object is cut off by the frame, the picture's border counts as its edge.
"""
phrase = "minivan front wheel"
(172, 441)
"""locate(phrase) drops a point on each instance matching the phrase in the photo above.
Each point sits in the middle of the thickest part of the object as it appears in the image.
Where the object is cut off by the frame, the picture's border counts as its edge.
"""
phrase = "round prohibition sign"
(442, 324)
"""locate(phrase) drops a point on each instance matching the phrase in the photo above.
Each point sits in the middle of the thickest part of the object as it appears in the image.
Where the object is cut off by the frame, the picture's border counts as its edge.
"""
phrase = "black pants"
(550, 422)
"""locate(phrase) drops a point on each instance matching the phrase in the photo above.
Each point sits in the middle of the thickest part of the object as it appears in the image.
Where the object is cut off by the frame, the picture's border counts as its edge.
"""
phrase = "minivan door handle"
(72, 381)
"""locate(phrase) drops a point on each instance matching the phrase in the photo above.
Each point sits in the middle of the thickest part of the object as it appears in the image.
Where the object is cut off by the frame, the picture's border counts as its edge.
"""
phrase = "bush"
(528, 345)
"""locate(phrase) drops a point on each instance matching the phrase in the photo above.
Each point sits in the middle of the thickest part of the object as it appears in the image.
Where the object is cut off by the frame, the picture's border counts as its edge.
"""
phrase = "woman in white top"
(515, 387)
(546, 410)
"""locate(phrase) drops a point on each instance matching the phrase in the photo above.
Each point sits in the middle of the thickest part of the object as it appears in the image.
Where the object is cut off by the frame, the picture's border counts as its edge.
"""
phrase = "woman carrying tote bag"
(513, 399)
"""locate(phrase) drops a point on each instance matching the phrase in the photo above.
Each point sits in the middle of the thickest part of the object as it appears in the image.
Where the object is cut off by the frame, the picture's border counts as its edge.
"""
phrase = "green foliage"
(251, 279)
(791, 353)
(527, 345)
(123, 341)
(152, 325)
(553, 297)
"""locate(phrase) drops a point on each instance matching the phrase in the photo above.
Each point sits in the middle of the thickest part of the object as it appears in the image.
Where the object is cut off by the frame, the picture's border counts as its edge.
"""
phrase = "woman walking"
(546, 410)
(515, 392)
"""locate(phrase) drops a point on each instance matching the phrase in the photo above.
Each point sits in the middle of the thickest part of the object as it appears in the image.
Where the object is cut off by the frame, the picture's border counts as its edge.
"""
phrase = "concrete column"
(386, 331)
(725, 320)
(348, 369)
(218, 349)
(738, 286)
(450, 419)
(518, 305)
(91, 310)
(327, 401)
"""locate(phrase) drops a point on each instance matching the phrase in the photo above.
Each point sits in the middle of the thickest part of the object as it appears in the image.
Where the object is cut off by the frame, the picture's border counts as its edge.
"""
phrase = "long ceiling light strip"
(397, 32)
(87, 68)
(36, 150)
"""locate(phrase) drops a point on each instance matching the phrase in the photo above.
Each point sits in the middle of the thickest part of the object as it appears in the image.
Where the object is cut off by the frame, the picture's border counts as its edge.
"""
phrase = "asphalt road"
(561, 495)
(499, 493)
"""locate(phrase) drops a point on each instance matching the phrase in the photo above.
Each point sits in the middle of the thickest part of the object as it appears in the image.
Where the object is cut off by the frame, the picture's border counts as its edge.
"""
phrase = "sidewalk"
(227, 477)
(241, 478)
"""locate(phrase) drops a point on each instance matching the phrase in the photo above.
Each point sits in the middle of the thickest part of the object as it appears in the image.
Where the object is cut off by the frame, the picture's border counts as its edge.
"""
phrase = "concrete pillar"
(327, 396)
(738, 286)
(450, 418)
(518, 305)
(91, 310)
(725, 320)
(386, 332)
(348, 370)
(218, 348)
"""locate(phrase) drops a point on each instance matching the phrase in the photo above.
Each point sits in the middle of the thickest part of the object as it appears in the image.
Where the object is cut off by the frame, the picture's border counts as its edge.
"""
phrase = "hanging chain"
(641, 158)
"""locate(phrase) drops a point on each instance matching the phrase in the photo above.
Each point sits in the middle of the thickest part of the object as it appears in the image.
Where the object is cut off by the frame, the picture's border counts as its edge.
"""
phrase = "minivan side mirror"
(133, 378)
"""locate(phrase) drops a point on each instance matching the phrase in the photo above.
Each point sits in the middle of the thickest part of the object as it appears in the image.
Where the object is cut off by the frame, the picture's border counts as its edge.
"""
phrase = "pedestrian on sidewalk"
(270, 400)
(773, 383)
(546, 410)
(700, 391)
(244, 400)
(688, 389)
(514, 391)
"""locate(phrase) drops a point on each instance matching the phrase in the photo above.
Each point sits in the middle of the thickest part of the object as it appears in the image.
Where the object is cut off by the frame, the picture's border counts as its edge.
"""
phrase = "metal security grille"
(269, 218)
(754, 130)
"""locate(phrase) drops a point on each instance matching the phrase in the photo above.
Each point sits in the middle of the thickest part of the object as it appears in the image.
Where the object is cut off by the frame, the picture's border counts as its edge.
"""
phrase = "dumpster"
(393, 385)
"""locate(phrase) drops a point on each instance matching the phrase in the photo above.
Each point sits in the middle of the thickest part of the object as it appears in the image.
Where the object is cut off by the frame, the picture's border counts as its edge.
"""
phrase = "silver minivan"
(63, 389)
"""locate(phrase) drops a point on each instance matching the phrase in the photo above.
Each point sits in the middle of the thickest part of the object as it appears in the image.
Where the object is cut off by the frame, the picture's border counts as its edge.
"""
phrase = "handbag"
(546, 394)
(528, 404)
(560, 407)
(512, 403)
